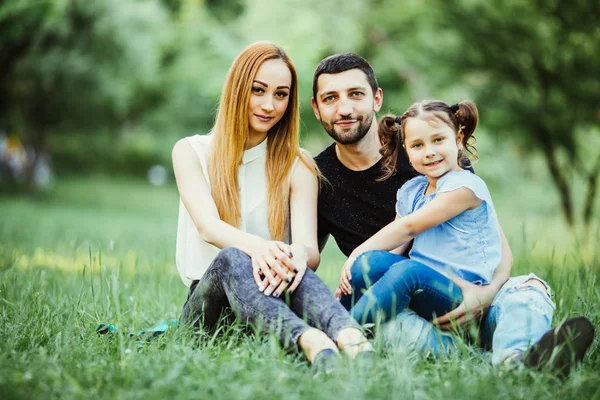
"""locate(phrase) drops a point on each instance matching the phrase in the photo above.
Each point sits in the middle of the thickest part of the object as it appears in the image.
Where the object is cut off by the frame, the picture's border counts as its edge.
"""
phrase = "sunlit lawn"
(102, 250)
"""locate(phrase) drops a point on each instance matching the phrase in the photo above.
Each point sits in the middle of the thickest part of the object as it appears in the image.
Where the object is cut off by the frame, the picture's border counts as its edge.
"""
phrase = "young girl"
(246, 189)
(447, 210)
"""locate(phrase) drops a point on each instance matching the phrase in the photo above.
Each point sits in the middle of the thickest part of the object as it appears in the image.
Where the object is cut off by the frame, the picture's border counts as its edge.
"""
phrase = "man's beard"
(355, 134)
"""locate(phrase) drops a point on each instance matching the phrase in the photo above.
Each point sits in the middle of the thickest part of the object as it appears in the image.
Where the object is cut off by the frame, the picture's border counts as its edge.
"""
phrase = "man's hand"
(476, 301)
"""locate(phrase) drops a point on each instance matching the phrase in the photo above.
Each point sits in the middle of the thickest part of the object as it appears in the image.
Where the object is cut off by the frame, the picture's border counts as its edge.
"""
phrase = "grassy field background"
(102, 249)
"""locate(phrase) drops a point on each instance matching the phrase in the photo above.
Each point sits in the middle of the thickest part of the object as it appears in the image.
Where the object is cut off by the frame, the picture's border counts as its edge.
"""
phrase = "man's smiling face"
(345, 105)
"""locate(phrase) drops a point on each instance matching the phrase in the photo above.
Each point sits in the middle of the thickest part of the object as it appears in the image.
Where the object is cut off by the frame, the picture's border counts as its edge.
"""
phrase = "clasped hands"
(277, 266)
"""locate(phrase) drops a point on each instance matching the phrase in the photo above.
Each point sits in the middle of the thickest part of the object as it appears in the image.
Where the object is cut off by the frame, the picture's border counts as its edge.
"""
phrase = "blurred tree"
(194, 71)
(74, 65)
(534, 69)
(225, 10)
(396, 43)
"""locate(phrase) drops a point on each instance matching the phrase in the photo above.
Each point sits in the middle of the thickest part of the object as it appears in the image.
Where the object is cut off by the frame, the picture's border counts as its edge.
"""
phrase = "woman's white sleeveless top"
(193, 254)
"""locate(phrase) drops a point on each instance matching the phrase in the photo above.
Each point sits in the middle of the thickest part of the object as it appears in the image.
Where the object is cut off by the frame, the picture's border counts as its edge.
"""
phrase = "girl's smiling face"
(432, 146)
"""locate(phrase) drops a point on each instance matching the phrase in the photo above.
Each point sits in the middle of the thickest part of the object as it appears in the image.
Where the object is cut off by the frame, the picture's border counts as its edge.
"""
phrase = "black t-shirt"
(353, 206)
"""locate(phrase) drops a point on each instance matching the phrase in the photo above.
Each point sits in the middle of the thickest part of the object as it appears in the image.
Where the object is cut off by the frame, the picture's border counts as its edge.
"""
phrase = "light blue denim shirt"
(468, 245)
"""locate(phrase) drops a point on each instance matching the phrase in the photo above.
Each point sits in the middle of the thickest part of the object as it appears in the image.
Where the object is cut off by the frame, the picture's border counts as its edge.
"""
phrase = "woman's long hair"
(231, 132)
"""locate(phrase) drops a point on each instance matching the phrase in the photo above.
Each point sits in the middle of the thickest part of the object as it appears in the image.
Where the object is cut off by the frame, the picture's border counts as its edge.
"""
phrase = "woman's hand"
(271, 264)
(296, 270)
(476, 301)
(346, 276)
(300, 263)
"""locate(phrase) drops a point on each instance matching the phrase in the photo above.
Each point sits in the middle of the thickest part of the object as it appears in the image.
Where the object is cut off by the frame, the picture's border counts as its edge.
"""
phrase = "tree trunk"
(590, 195)
(559, 178)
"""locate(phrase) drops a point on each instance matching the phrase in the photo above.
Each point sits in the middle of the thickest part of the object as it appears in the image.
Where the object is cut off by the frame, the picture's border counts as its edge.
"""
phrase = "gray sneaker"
(563, 347)
(325, 362)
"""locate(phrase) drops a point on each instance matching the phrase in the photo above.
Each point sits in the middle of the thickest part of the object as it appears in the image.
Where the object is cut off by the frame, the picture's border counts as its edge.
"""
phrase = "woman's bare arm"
(196, 197)
(303, 212)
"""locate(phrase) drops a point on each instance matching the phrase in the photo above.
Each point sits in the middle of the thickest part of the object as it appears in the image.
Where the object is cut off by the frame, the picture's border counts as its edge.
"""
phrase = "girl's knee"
(409, 269)
(373, 263)
(369, 257)
(360, 267)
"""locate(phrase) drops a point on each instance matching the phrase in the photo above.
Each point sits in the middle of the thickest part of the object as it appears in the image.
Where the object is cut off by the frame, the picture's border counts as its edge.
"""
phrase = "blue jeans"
(383, 284)
(518, 317)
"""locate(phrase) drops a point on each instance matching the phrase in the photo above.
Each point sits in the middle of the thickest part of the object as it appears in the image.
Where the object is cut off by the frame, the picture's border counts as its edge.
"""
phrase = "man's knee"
(531, 294)
(536, 283)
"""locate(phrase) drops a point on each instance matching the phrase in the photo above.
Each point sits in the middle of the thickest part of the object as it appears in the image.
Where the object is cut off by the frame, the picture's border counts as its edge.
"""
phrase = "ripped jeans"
(518, 317)
(228, 285)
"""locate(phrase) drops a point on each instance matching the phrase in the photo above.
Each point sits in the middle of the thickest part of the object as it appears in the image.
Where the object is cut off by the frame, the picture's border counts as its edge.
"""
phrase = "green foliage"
(82, 64)
(533, 64)
(132, 152)
(533, 69)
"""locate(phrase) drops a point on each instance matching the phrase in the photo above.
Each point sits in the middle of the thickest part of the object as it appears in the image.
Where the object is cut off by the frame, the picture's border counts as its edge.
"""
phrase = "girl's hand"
(476, 301)
(338, 293)
(346, 276)
(271, 263)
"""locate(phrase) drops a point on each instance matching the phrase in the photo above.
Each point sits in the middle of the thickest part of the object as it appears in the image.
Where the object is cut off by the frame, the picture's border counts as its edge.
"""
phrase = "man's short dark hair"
(343, 62)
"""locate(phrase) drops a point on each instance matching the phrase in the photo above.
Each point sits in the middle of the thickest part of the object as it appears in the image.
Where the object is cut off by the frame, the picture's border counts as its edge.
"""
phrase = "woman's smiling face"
(270, 96)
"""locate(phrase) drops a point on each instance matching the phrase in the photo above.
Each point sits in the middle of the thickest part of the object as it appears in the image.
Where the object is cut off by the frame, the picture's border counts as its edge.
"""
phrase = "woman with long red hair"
(247, 232)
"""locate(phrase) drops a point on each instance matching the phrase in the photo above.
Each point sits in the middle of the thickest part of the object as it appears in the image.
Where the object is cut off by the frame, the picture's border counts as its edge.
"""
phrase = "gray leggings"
(229, 284)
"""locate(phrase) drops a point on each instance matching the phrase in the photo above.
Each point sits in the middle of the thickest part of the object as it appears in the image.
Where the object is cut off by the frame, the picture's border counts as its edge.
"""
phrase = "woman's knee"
(231, 256)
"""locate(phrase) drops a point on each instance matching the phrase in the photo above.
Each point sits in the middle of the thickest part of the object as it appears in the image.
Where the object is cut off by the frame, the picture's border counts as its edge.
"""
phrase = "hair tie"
(454, 108)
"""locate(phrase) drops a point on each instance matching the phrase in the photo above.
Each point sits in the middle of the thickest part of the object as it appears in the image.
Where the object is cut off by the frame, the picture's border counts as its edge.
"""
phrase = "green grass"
(102, 250)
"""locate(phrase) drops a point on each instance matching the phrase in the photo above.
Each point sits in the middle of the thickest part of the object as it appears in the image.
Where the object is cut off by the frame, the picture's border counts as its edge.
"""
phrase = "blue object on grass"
(144, 334)
(103, 329)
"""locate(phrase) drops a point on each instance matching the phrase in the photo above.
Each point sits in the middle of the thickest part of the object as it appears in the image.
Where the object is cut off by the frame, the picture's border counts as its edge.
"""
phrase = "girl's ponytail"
(467, 117)
(389, 134)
